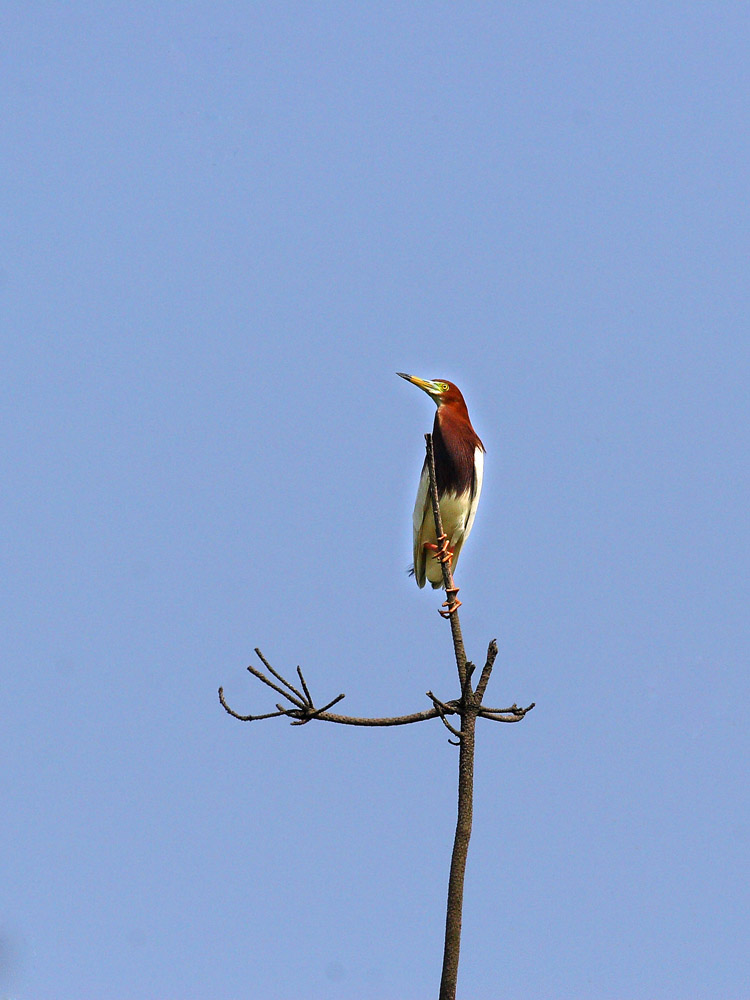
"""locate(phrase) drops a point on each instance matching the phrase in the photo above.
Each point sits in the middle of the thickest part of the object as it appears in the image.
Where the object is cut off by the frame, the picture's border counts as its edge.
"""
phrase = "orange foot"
(452, 604)
(442, 553)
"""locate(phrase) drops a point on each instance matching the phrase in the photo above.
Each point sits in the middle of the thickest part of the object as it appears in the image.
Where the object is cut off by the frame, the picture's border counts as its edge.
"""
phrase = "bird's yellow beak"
(431, 388)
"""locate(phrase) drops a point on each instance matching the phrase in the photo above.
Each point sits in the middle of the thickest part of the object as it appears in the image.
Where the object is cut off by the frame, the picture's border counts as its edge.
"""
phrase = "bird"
(459, 467)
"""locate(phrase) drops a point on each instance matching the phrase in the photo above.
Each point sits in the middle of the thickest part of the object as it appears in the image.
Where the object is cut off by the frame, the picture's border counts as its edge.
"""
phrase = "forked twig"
(301, 708)
(442, 710)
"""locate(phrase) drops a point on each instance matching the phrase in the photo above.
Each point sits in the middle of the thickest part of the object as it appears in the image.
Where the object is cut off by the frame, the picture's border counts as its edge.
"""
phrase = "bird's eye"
(442, 386)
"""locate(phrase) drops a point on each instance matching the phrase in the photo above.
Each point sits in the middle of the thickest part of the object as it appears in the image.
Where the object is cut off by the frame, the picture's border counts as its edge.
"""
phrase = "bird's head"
(439, 390)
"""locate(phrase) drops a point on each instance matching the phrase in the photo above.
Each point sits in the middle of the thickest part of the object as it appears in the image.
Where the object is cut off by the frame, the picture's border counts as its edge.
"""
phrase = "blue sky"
(226, 227)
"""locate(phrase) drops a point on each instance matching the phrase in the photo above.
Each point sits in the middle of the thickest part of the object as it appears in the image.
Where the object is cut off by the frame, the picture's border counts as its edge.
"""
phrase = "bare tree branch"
(246, 718)
(304, 686)
(298, 706)
(302, 708)
(487, 669)
(515, 714)
(511, 710)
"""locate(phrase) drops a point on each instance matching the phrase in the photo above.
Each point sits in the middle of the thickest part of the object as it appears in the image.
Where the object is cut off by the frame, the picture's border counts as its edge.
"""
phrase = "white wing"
(420, 510)
(463, 529)
(478, 476)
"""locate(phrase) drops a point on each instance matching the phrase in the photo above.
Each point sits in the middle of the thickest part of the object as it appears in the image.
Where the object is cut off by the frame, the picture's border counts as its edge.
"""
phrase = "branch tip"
(304, 686)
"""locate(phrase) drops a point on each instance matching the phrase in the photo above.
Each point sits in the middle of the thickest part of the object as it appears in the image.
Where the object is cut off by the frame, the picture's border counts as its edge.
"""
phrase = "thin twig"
(484, 678)
(278, 676)
(248, 718)
(511, 710)
(451, 707)
(505, 715)
(304, 686)
(442, 709)
(500, 718)
(284, 694)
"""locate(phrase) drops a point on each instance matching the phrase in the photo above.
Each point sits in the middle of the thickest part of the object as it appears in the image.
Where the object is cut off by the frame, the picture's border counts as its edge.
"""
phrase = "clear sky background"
(225, 228)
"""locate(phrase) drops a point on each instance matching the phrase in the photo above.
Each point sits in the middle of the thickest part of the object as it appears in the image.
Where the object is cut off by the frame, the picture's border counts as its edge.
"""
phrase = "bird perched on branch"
(459, 464)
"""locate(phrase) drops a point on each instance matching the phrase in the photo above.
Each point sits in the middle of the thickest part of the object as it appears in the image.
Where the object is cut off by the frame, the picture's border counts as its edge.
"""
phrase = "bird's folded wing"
(420, 509)
(476, 489)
